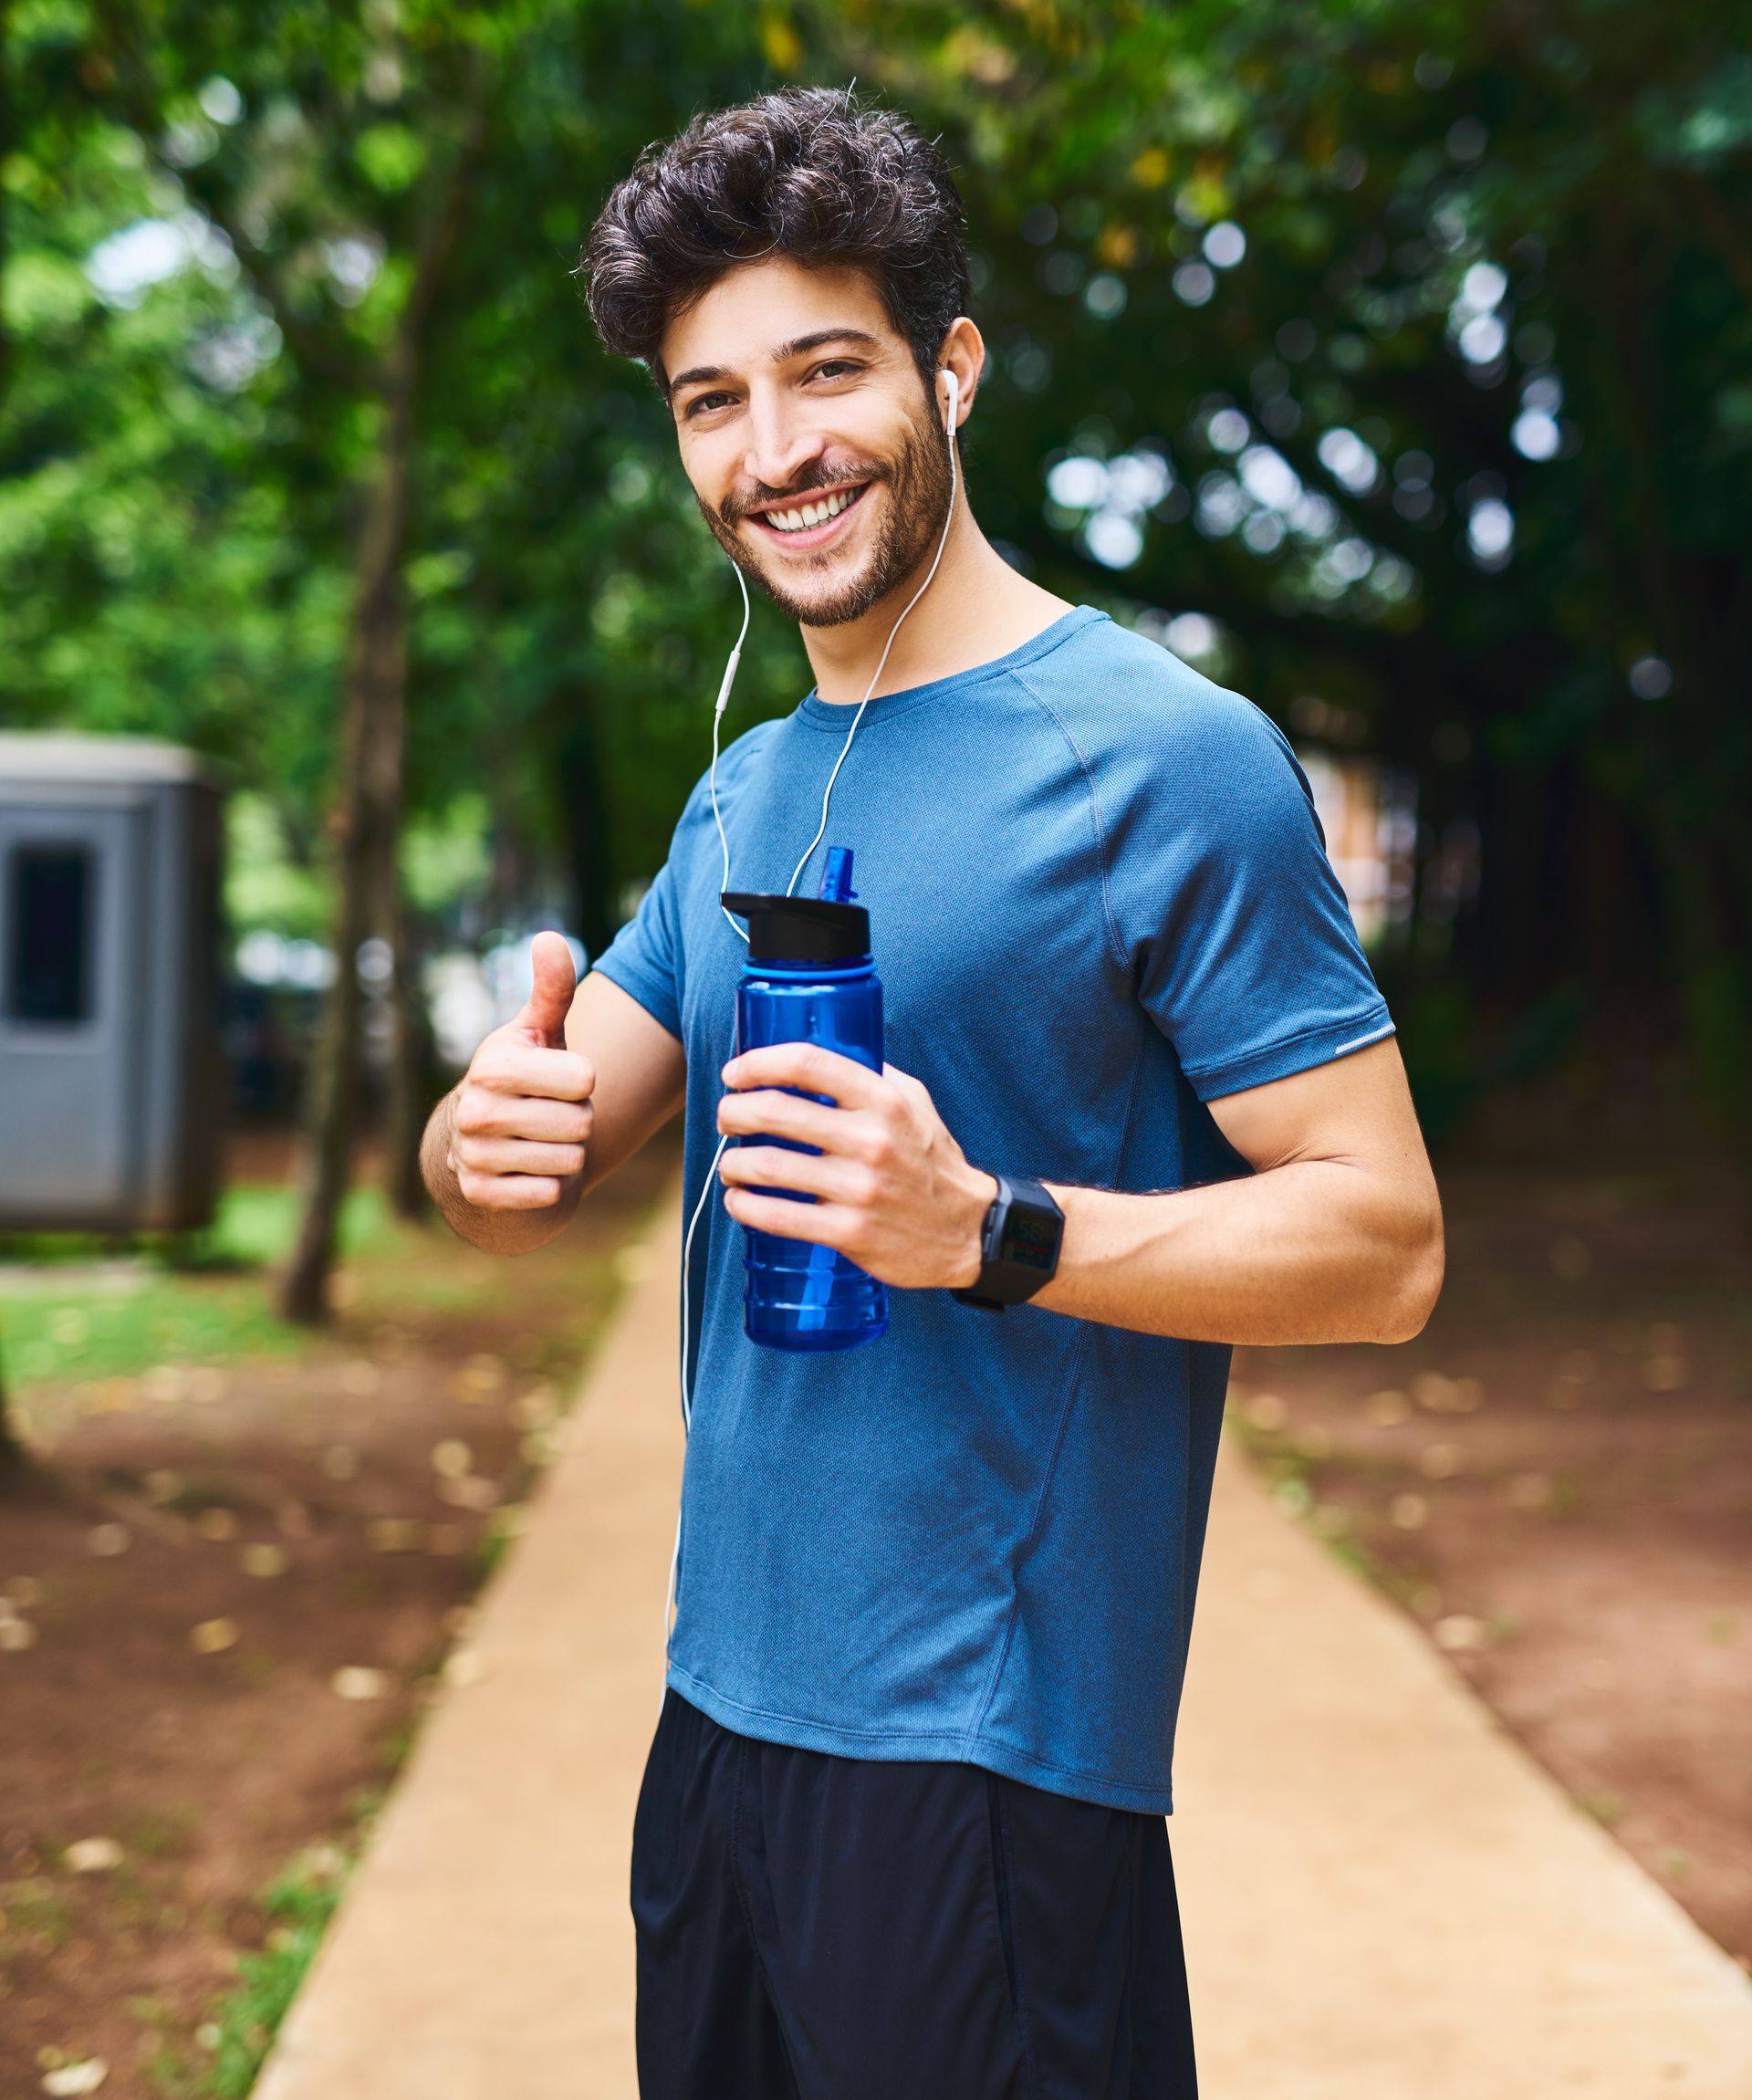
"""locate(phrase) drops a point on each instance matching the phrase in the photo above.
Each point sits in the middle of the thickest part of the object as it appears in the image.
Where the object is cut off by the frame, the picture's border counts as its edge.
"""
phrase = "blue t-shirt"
(1100, 898)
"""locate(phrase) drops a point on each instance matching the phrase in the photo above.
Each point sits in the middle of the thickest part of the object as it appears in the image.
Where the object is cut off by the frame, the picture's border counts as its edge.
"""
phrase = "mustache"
(763, 498)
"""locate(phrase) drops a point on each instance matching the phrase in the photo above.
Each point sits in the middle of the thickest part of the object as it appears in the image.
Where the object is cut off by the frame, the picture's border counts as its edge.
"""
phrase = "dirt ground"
(237, 1588)
(1556, 1478)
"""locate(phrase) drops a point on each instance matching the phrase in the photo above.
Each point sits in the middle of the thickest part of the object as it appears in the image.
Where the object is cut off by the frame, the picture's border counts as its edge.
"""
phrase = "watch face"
(1030, 1240)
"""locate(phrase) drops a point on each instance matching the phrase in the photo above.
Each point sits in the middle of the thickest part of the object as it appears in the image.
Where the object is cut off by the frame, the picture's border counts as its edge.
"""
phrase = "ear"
(962, 354)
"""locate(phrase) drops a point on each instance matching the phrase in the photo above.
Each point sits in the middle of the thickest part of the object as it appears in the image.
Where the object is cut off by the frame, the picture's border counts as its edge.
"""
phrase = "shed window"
(49, 911)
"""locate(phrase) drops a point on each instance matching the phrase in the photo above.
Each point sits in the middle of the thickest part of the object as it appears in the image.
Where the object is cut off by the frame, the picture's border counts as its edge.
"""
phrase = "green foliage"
(179, 461)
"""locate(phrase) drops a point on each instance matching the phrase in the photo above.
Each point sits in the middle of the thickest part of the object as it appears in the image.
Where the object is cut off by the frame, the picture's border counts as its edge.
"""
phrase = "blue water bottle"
(809, 977)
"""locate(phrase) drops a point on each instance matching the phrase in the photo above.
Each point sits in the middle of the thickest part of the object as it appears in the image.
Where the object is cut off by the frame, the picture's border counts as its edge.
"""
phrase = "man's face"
(815, 457)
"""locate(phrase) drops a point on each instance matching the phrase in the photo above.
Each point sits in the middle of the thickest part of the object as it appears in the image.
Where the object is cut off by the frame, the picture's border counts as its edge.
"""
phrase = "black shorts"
(818, 1928)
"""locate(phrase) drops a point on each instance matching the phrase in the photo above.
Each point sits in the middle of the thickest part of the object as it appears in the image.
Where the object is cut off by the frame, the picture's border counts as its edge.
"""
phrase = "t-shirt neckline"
(837, 714)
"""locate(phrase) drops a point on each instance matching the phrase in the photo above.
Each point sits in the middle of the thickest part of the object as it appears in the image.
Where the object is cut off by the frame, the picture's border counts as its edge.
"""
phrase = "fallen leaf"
(17, 1634)
(106, 1541)
(535, 1408)
(1388, 1410)
(451, 1459)
(1432, 1391)
(1459, 1632)
(84, 2077)
(471, 1492)
(356, 1681)
(212, 1635)
(396, 1534)
(264, 1558)
(294, 1520)
(1667, 1374)
(466, 1666)
(1408, 1512)
(91, 1855)
(1439, 1461)
(216, 1523)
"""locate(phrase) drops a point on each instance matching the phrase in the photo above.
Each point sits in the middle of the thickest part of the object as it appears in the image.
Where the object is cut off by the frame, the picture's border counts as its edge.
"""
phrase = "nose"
(782, 441)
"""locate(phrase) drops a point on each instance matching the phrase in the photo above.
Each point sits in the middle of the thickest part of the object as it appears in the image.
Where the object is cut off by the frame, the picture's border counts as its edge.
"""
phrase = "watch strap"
(1014, 1265)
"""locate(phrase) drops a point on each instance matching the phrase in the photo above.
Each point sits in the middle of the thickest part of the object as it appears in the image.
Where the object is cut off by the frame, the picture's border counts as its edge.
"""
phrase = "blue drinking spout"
(836, 877)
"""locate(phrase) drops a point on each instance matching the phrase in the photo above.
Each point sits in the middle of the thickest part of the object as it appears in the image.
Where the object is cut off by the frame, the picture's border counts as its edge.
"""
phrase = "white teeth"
(810, 514)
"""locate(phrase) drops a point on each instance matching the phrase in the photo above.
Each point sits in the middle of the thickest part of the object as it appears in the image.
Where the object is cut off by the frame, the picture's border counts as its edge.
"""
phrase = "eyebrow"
(799, 346)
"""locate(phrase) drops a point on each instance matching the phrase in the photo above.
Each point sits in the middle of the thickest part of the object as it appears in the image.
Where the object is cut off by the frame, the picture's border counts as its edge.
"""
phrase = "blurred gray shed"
(111, 1093)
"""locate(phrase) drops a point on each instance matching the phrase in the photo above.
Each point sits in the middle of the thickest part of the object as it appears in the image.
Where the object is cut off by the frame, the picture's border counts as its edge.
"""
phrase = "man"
(902, 1833)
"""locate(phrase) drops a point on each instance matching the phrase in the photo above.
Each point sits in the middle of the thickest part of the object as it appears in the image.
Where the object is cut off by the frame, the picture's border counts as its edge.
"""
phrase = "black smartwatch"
(1018, 1246)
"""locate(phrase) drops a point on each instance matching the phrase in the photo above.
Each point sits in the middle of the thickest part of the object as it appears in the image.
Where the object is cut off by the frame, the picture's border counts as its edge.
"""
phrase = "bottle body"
(799, 1296)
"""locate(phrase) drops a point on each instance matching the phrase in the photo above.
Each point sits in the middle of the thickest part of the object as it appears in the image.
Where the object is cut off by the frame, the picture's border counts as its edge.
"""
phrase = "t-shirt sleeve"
(1236, 926)
(644, 958)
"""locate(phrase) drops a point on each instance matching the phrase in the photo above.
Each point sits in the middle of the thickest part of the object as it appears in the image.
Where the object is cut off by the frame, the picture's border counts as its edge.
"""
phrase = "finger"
(482, 1113)
(550, 996)
(810, 1173)
(510, 1067)
(823, 1224)
(767, 1113)
(914, 1089)
(508, 1191)
(517, 1156)
(810, 1067)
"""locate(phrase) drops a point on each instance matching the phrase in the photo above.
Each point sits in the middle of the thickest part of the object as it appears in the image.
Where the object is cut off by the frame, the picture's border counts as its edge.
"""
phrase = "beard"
(918, 488)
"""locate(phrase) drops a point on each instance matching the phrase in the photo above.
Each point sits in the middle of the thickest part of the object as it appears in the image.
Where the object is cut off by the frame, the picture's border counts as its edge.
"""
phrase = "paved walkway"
(1384, 1899)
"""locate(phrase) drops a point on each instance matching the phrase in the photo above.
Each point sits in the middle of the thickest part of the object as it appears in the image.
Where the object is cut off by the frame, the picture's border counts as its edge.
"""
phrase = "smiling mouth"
(811, 522)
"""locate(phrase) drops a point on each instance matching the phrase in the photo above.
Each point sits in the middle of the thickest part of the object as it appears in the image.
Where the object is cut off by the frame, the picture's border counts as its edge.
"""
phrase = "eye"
(703, 404)
(830, 367)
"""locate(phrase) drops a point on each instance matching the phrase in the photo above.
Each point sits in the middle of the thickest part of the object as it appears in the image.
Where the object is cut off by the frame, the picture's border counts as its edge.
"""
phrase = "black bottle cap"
(801, 929)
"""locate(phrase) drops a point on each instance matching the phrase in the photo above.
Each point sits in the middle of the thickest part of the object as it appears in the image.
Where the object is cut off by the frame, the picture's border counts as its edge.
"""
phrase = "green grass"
(204, 1299)
(233, 2040)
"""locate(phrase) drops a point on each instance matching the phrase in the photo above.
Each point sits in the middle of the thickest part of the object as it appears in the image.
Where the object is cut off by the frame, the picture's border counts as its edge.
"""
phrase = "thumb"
(550, 1001)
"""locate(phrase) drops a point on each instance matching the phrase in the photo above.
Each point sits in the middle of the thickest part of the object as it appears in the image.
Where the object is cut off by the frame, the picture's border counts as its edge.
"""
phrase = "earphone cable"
(670, 1598)
(727, 681)
(827, 794)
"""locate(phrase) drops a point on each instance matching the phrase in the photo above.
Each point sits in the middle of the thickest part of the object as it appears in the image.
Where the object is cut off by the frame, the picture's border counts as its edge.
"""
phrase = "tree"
(1433, 318)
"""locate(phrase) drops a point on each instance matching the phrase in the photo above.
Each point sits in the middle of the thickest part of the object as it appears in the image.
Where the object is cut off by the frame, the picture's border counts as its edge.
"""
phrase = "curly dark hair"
(802, 172)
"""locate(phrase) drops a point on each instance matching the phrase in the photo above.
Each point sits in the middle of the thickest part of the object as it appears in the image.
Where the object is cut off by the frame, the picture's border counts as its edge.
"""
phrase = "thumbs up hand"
(524, 1113)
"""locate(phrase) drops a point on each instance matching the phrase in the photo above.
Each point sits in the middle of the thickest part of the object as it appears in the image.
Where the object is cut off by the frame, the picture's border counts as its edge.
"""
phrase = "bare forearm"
(1313, 1250)
(496, 1231)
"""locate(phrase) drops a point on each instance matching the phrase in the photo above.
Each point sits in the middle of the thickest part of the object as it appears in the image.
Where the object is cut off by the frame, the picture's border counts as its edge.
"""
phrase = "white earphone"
(950, 425)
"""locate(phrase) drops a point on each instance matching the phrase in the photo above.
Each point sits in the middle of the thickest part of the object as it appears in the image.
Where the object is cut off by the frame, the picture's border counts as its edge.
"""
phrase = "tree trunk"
(366, 821)
(411, 1098)
(14, 1459)
(584, 815)
(12, 1452)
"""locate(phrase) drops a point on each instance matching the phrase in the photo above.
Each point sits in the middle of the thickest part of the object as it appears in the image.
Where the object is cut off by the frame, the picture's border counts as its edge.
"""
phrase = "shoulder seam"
(1063, 728)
